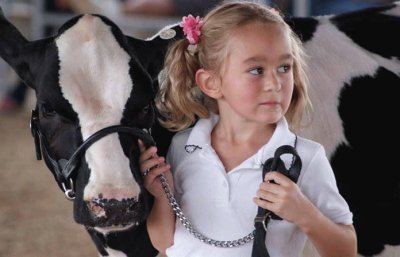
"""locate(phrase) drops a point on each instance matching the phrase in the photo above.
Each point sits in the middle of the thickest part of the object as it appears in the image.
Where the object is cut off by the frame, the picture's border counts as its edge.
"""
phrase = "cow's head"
(95, 94)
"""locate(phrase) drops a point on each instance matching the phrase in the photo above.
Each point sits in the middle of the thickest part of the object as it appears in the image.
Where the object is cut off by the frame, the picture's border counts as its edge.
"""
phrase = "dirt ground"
(35, 218)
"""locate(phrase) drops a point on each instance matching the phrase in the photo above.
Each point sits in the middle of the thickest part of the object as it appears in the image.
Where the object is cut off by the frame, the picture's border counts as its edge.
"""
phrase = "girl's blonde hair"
(180, 101)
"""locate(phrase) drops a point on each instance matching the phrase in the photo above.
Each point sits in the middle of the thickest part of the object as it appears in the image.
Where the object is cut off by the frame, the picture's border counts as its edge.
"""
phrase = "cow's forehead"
(94, 73)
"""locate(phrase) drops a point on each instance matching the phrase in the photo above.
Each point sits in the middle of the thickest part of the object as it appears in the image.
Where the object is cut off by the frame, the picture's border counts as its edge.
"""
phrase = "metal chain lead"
(188, 225)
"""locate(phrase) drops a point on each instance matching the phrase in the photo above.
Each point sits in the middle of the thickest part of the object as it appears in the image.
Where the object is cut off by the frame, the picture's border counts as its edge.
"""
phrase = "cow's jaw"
(94, 78)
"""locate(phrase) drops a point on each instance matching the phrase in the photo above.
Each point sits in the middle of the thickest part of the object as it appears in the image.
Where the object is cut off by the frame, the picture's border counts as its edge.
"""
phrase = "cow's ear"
(22, 55)
(151, 52)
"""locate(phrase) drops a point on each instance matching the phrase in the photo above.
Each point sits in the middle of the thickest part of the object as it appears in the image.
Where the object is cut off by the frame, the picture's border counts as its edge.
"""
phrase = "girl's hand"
(151, 166)
(283, 198)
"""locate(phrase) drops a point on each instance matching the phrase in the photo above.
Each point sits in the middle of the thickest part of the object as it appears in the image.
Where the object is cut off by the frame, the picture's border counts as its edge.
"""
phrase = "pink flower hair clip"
(192, 30)
(274, 11)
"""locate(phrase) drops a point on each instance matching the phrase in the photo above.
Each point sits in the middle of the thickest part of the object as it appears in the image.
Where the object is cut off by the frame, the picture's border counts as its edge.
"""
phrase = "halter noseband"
(64, 170)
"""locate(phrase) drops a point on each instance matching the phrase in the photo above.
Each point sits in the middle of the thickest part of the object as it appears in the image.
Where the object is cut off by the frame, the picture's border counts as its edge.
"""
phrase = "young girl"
(240, 71)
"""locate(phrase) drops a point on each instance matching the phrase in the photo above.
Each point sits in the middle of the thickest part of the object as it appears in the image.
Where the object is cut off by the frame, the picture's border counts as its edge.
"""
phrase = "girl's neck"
(234, 142)
(242, 132)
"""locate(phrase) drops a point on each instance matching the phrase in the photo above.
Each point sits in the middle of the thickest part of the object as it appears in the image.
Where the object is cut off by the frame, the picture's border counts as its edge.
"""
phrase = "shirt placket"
(221, 181)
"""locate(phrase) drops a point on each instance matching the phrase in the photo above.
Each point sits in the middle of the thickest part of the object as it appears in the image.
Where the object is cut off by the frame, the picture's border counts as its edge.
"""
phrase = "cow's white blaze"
(328, 48)
(94, 78)
(115, 253)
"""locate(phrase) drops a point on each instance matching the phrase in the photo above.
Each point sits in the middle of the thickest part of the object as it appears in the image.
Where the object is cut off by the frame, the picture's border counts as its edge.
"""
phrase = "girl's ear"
(209, 83)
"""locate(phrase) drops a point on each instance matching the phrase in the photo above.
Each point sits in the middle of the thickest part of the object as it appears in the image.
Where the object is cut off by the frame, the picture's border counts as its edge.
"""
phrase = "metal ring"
(146, 172)
(69, 192)
(70, 195)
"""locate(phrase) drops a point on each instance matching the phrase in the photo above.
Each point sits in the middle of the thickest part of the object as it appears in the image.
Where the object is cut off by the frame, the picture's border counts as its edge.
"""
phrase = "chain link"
(188, 225)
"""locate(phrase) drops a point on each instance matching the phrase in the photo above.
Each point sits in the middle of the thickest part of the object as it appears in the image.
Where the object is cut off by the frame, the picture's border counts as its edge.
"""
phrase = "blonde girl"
(235, 89)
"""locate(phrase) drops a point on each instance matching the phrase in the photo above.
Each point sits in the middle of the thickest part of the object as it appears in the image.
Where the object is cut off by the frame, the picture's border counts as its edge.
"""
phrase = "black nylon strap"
(263, 215)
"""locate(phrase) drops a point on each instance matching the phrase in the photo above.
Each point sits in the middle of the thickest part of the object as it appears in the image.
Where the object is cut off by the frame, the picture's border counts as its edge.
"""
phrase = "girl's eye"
(284, 68)
(257, 71)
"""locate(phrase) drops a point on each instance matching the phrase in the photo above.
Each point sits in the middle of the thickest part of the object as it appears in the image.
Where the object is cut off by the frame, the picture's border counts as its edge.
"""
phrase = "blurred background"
(35, 218)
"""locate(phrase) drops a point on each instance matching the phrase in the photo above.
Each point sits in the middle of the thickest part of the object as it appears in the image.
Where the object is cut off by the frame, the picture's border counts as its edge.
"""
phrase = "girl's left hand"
(283, 198)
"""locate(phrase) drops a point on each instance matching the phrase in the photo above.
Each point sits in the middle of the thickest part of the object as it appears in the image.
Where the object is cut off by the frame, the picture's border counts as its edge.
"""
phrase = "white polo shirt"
(220, 204)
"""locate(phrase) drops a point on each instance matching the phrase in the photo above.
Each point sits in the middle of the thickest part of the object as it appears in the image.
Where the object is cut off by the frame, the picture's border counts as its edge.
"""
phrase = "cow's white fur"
(330, 46)
(98, 88)
(394, 11)
(114, 253)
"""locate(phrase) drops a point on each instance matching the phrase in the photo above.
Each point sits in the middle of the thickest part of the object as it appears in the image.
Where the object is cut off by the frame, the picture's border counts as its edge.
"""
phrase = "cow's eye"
(146, 109)
(47, 110)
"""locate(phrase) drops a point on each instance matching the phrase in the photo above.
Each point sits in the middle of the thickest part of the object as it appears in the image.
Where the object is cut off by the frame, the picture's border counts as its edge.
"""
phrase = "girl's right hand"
(152, 166)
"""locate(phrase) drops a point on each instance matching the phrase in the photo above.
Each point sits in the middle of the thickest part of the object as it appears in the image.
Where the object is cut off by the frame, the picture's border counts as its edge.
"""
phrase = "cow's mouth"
(115, 228)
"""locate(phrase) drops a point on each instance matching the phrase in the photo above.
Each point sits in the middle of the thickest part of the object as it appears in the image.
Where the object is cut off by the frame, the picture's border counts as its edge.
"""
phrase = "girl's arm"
(330, 239)
(286, 200)
(161, 220)
(161, 225)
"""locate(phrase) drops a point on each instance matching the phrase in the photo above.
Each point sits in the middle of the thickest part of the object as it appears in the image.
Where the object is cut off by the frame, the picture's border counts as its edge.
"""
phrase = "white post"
(301, 8)
(3, 64)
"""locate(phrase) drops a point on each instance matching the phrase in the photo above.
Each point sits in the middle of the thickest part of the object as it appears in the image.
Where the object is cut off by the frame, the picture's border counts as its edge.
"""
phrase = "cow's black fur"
(364, 165)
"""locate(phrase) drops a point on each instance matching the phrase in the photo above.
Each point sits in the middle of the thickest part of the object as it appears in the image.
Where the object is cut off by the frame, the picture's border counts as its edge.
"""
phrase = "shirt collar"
(200, 135)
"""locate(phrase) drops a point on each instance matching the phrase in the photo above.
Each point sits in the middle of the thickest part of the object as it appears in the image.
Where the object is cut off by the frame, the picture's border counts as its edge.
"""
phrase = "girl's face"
(257, 78)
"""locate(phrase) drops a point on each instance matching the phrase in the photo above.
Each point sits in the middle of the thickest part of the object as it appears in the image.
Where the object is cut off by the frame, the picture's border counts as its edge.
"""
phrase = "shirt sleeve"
(319, 185)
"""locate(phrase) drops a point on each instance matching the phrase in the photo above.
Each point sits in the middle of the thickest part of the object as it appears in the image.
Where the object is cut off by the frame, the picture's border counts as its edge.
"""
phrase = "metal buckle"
(263, 219)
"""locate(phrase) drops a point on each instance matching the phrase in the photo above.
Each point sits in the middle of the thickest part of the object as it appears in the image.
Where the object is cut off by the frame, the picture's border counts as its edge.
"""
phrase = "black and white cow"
(94, 97)
(90, 76)
(354, 64)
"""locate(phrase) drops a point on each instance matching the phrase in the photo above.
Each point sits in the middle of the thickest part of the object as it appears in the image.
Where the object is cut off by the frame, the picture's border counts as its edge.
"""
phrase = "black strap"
(263, 215)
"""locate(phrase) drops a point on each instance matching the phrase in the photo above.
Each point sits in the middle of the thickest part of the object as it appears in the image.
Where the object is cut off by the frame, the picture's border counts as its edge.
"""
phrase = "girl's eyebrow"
(259, 58)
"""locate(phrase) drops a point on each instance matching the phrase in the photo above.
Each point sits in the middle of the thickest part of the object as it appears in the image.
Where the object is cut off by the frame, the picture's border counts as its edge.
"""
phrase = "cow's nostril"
(97, 209)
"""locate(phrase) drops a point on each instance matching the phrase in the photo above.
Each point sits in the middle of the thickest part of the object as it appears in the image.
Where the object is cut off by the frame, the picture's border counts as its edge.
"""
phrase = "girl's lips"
(270, 103)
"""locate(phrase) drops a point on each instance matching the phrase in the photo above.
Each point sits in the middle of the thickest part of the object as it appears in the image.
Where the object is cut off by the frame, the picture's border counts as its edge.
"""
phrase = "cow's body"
(91, 76)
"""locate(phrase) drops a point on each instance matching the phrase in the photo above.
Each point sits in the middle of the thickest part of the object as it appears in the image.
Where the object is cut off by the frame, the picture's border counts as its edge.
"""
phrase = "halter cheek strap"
(64, 169)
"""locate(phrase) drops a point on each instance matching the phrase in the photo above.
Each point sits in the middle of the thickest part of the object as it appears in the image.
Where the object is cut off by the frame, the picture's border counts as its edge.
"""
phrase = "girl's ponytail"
(180, 102)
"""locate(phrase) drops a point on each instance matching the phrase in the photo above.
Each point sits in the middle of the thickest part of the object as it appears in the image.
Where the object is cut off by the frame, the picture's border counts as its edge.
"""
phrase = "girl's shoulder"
(178, 142)
(181, 137)
(309, 145)
(309, 149)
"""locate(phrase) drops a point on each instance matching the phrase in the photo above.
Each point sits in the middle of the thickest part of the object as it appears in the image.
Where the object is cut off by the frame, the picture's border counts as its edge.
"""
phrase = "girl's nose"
(272, 82)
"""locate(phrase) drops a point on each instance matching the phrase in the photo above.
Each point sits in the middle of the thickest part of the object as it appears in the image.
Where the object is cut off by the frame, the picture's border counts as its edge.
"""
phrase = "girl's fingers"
(271, 187)
(267, 196)
(152, 163)
(264, 204)
(153, 173)
(277, 177)
(148, 154)
(142, 148)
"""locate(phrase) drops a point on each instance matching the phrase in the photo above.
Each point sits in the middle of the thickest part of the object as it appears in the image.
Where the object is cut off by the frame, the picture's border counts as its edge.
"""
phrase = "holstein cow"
(95, 88)
(94, 99)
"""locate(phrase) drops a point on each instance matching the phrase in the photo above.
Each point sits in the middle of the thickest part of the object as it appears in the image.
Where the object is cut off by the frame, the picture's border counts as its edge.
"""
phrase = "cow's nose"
(109, 208)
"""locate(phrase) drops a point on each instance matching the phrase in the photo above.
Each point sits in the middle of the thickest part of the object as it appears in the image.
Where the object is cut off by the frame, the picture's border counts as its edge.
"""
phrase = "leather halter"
(64, 170)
